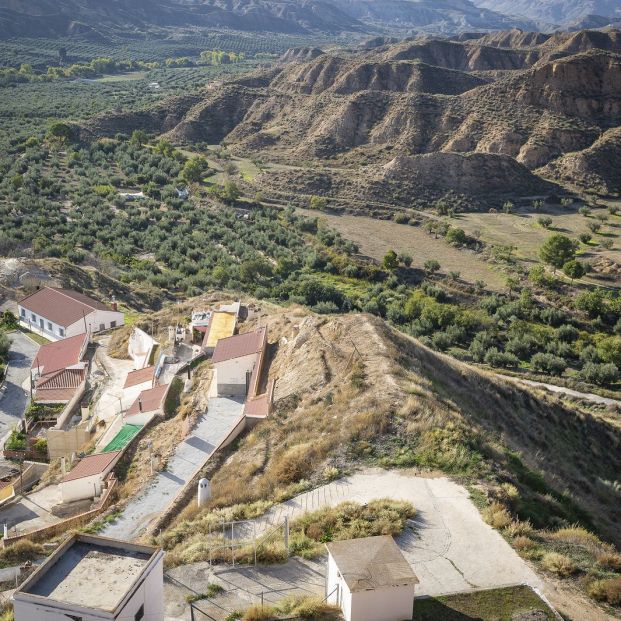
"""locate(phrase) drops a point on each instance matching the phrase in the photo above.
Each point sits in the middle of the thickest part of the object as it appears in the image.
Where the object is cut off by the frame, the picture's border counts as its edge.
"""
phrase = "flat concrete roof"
(90, 572)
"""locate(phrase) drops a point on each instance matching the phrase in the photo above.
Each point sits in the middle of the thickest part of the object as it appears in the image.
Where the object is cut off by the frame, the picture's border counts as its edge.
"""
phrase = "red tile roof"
(140, 376)
(61, 306)
(91, 465)
(152, 399)
(60, 355)
(240, 345)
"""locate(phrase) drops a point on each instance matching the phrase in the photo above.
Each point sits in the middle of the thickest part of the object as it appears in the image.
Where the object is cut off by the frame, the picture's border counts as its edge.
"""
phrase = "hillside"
(537, 101)
(559, 12)
(351, 392)
(43, 18)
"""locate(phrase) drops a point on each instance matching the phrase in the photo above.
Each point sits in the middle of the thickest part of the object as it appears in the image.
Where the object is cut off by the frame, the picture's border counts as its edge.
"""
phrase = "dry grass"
(559, 564)
(296, 606)
(20, 552)
(497, 516)
(608, 591)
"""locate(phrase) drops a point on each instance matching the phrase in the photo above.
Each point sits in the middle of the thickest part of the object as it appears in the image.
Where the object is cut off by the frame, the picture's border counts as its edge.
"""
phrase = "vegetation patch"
(506, 604)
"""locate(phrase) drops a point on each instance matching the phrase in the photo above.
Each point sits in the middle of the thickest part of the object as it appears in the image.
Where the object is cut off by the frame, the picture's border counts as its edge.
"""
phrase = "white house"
(370, 580)
(86, 479)
(140, 347)
(148, 403)
(90, 578)
(59, 313)
(234, 360)
(136, 382)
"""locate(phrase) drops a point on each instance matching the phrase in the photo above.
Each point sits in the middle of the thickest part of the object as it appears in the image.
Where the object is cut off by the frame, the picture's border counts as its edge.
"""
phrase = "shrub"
(524, 544)
(606, 591)
(497, 358)
(609, 560)
(497, 516)
(20, 552)
(559, 564)
(548, 363)
(602, 374)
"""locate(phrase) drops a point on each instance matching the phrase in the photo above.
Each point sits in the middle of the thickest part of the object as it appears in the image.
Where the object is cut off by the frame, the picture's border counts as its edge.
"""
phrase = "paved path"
(212, 428)
(448, 544)
(13, 397)
(32, 511)
(587, 396)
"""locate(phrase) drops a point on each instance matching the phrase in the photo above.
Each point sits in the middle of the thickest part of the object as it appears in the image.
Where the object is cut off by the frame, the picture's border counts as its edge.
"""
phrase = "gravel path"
(212, 428)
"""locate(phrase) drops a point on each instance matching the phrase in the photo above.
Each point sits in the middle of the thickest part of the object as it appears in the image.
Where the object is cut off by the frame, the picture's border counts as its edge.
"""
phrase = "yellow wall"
(222, 326)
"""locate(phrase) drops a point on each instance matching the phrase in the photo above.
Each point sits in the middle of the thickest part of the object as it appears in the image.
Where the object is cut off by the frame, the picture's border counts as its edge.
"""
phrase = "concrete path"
(212, 428)
(448, 544)
(587, 396)
(13, 397)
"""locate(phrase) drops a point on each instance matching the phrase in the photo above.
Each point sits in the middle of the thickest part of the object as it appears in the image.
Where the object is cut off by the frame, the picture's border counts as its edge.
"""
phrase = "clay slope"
(430, 176)
(596, 168)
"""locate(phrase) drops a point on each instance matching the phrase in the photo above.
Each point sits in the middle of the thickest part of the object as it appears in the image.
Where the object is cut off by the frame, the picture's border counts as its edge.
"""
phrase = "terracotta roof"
(61, 306)
(60, 355)
(140, 376)
(371, 563)
(91, 465)
(240, 345)
(54, 395)
(65, 378)
(152, 399)
(258, 407)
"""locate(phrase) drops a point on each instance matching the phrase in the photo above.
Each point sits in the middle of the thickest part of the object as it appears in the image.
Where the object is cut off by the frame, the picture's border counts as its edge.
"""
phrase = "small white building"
(234, 360)
(90, 578)
(370, 580)
(137, 381)
(140, 347)
(86, 479)
(60, 313)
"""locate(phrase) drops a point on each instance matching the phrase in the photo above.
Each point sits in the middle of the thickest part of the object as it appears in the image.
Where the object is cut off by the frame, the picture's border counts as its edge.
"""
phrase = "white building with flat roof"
(369, 579)
(91, 578)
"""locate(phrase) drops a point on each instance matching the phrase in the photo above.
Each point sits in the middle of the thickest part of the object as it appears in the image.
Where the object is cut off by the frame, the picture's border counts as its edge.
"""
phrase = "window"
(61, 332)
(113, 324)
(23, 313)
(34, 317)
(140, 614)
(49, 326)
(102, 326)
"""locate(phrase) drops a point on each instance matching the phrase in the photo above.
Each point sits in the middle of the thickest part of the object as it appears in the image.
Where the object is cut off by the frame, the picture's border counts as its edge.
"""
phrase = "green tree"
(574, 269)
(194, 170)
(405, 259)
(317, 202)
(508, 207)
(139, 137)
(391, 261)
(545, 221)
(431, 266)
(592, 303)
(557, 250)
(231, 191)
(61, 132)
(456, 236)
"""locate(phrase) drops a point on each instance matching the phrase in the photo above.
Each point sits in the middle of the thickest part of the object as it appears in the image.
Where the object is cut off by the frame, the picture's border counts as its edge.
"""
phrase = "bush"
(497, 358)
(548, 363)
(559, 564)
(610, 561)
(523, 544)
(606, 591)
(20, 552)
(601, 374)
(497, 516)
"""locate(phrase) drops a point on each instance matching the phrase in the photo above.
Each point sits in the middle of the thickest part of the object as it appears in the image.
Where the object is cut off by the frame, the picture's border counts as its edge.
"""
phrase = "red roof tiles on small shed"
(152, 399)
(140, 376)
(91, 465)
(240, 345)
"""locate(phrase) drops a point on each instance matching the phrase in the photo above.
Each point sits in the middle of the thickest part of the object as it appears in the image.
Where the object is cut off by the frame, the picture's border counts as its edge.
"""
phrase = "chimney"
(115, 306)
(140, 404)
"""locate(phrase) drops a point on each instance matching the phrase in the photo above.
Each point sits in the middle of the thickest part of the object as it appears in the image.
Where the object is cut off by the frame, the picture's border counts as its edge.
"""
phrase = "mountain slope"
(554, 11)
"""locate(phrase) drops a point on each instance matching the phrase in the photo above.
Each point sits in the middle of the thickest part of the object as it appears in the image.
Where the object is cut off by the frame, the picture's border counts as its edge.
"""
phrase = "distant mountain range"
(20, 18)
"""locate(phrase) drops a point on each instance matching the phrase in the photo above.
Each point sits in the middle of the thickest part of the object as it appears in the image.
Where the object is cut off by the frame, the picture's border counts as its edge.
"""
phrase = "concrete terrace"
(211, 430)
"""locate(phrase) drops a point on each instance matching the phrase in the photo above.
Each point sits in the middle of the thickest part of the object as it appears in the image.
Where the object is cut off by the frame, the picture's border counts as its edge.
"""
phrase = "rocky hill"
(540, 100)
